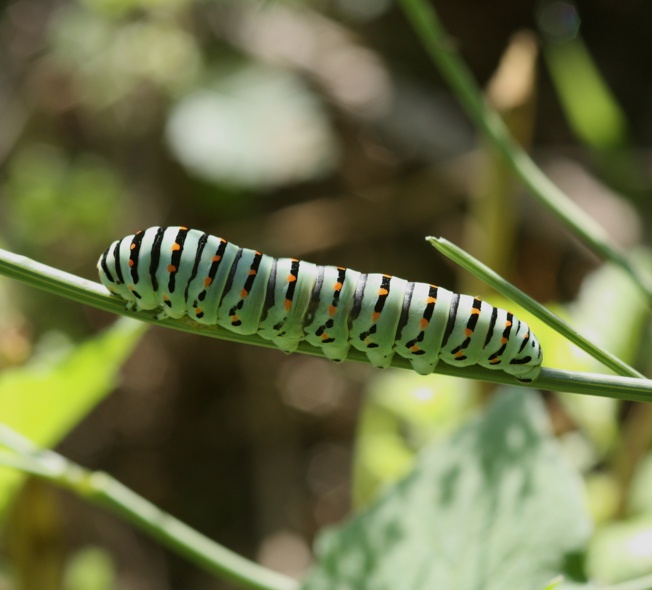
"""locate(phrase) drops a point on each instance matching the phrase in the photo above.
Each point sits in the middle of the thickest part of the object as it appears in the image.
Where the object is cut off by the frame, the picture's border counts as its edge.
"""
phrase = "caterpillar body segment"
(182, 271)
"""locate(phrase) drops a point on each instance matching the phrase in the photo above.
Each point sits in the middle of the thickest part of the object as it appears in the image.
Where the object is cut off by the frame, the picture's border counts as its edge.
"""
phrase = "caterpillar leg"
(377, 311)
(424, 318)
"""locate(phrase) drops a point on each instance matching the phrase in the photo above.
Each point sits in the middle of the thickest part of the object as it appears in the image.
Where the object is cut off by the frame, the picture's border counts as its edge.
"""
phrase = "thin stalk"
(103, 490)
(437, 43)
(473, 265)
(90, 293)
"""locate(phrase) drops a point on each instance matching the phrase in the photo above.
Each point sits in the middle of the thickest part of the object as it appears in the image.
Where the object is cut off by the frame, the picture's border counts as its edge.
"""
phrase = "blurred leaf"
(54, 204)
(256, 127)
(590, 106)
(110, 59)
(621, 551)
(564, 585)
(494, 507)
(602, 495)
(554, 583)
(611, 312)
(402, 412)
(90, 569)
(119, 8)
(640, 499)
(45, 401)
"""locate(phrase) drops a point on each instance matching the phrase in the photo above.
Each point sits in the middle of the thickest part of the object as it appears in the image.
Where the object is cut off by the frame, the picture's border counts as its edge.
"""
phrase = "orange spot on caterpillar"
(207, 282)
(374, 316)
(165, 297)
(475, 311)
(431, 300)
(132, 247)
(494, 361)
(508, 324)
(140, 231)
(459, 353)
(423, 323)
(337, 286)
(415, 348)
(172, 268)
(252, 272)
(331, 310)
(383, 292)
(216, 258)
(198, 310)
(175, 247)
(131, 262)
(288, 304)
(234, 319)
(244, 293)
(503, 340)
(468, 332)
(182, 227)
(325, 336)
(291, 278)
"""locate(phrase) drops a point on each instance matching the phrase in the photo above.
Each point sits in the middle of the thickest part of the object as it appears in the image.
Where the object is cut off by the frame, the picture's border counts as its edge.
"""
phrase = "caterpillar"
(188, 272)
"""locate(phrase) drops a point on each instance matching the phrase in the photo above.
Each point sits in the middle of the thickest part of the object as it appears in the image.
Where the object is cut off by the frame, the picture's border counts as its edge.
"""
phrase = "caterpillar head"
(112, 275)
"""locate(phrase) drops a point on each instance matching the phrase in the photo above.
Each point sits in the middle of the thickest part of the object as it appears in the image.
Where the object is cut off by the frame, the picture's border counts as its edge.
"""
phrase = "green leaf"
(622, 550)
(45, 401)
(554, 583)
(496, 506)
(403, 412)
(90, 569)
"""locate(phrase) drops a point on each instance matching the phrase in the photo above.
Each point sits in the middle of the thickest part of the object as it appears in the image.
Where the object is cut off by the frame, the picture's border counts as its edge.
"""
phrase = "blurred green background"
(318, 130)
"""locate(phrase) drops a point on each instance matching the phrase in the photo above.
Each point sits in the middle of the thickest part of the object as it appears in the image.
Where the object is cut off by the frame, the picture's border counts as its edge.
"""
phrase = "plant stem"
(435, 40)
(103, 490)
(90, 293)
(468, 262)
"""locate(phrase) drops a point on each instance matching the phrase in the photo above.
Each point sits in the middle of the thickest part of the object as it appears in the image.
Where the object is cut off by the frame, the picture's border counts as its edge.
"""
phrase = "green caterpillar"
(188, 272)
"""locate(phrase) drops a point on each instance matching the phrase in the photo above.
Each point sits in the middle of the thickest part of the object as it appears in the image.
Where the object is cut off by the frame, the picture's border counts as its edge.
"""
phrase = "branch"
(88, 292)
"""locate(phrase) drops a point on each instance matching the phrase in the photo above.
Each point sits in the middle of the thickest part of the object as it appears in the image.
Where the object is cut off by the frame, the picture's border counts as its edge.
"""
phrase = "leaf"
(622, 550)
(224, 133)
(496, 506)
(90, 569)
(45, 402)
(554, 583)
(403, 412)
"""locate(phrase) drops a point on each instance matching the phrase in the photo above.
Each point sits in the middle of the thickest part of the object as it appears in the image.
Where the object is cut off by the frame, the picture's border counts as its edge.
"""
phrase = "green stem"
(468, 262)
(105, 491)
(425, 22)
(90, 293)
(182, 539)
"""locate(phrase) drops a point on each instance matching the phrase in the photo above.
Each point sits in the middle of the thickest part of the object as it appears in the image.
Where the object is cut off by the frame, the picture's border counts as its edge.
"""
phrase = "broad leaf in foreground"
(496, 506)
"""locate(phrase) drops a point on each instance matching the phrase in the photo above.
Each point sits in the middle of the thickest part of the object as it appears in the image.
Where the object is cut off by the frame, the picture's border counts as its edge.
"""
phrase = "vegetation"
(306, 129)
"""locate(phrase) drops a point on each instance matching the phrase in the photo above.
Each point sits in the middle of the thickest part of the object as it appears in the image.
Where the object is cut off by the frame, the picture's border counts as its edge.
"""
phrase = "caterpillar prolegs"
(188, 272)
